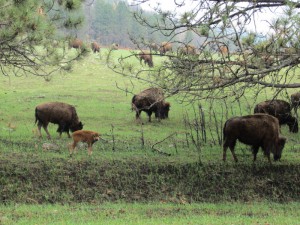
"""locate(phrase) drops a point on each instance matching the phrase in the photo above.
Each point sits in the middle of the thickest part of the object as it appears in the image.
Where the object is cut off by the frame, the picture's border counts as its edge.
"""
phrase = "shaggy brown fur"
(258, 130)
(151, 100)
(86, 136)
(165, 47)
(281, 110)
(295, 101)
(95, 47)
(147, 57)
(76, 43)
(59, 113)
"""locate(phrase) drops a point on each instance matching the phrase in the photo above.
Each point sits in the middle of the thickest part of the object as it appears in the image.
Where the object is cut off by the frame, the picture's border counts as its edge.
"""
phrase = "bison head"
(164, 111)
(293, 125)
(280, 146)
(76, 127)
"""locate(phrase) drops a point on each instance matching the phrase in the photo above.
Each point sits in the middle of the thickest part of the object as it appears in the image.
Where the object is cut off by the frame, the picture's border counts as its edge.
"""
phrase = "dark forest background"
(112, 21)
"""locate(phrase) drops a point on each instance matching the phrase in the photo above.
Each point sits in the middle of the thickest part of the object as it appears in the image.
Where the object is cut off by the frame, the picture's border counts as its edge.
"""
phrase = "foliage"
(30, 43)
(230, 58)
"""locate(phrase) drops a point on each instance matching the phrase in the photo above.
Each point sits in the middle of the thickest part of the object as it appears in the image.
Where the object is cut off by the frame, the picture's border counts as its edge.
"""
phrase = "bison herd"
(260, 130)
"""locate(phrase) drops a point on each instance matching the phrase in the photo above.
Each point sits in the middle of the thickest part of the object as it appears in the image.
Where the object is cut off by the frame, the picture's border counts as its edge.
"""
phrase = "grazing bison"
(281, 110)
(76, 43)
(87, 136)
(95, 47)
(58, 113)
(147, 57)
(295, 100)
(258, 130)
(151, 100)
(187, 50)
(165, 47)
(154, 47)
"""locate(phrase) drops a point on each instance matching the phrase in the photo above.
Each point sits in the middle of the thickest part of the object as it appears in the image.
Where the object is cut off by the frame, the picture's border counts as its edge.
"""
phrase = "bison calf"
(147, 57)
(258, 130)
(86, 136)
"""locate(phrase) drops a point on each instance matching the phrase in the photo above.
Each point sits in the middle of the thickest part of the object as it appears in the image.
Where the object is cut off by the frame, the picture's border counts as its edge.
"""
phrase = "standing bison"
(281, 110)
(151, 100)
(95, 47)
(258, 130)
(146, 57)
(76, 43)
(295, 100)
(187, 50)
(58, 113)
(165, 47)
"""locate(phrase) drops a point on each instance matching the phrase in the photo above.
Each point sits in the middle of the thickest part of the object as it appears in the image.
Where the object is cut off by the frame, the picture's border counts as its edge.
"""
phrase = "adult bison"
(295, 101)
(281, 110)
(165, 47)
(258, 130)
(58, 113)
(187, 50)
(146, 57)
(154, 47)
(151, 100)
(76, 43)
(95, 47)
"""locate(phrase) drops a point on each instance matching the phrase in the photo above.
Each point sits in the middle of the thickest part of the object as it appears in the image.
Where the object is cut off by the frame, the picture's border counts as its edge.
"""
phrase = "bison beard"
(86, 136)
(258, 130)
(58, 113)
(279, 109)
(151, 100)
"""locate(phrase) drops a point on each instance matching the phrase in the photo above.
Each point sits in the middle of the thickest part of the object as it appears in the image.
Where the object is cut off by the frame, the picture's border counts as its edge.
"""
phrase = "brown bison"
(154, 47)
(187, 50)
(58, 113)
(151, 100)
(223, 49)
(165, 47)
(258, 130)
(281, 110)
(146, 57)
(95, 47)
(295, 100)
(76, 43)
(87, 136)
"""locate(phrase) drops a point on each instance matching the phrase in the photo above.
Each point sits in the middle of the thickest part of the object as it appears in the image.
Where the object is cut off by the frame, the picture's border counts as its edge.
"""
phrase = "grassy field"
(160, 213)
(167, 168)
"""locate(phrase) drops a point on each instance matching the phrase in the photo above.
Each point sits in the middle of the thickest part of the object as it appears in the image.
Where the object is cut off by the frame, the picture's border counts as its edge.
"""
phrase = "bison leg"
(72, 148)
(45, 126)
(90, 150)
(231, 147)
(149, 115)
(254, 151)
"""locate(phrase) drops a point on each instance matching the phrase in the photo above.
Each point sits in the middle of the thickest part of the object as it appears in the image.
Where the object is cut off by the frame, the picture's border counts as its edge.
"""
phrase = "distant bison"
(76, 43)
(114, 46)
(223, 49)
(58, 113)
(165, 47)
(95, 47)
(151, 100)
(187, 50)
(295, 101)
(258, 130)
(146, 57)
(281, 110)
(154, 47)
(86, 136)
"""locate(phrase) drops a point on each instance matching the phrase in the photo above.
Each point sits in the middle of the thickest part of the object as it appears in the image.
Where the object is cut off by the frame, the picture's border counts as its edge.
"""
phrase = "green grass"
(153, 213)
(92, 87)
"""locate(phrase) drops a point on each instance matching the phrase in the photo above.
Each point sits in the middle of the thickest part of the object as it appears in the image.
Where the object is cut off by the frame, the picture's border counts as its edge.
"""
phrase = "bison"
(76, 43)
(146, 57)
(87, 136)
(281, 110)
(151, 100)
(187, 50)
(223, 49)
(154, 47)
(295, 101)
(59, 113)
(95, 47)
(165, 47)
(258, 130)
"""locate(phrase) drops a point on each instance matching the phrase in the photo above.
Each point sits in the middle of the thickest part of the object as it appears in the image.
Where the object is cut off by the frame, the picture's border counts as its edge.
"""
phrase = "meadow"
(159, 172)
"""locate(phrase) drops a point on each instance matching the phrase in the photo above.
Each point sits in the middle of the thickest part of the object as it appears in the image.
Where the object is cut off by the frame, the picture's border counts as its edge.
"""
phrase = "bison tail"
(36, 116)
(133, 106)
